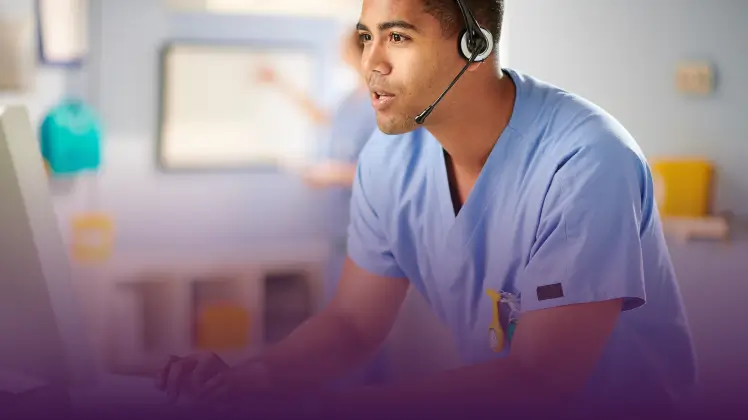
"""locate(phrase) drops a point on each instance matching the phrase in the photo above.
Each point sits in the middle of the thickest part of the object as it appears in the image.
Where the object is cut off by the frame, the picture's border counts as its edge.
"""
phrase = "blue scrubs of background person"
(351, 125)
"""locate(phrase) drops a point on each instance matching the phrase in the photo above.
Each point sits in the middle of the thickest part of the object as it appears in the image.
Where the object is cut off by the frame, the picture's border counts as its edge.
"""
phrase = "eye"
(364, 37)
(398, 38)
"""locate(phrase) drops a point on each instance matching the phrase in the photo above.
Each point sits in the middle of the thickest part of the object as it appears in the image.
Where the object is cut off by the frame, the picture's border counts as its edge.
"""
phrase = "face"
(406, 60)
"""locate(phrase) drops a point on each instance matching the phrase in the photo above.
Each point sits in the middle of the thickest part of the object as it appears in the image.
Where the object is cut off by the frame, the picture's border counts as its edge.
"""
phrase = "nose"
(374, 60)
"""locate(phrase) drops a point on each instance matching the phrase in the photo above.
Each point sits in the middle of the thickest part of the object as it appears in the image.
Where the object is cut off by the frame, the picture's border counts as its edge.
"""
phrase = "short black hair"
(488, 13)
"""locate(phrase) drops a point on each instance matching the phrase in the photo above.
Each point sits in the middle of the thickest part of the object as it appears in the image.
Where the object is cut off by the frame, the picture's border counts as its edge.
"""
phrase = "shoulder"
(587, 155)
(575, 135)
(592, 143)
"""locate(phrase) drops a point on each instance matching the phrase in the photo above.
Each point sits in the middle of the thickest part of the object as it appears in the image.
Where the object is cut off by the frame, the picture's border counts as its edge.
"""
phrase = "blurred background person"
(351, 124)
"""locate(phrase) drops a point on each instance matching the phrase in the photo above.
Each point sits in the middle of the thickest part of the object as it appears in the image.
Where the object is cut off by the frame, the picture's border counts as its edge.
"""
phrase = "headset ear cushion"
(464, 49)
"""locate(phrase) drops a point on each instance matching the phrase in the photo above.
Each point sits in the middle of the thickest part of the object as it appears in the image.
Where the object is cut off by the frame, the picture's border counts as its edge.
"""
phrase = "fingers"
(172, 380)
(177, 377)
(188, 374)
(206, 369)
(266, 74)
(162, 376)
(215, 388)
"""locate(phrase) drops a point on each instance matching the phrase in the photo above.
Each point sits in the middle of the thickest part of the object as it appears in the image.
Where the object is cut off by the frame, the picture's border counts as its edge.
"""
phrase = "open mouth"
(381, 99)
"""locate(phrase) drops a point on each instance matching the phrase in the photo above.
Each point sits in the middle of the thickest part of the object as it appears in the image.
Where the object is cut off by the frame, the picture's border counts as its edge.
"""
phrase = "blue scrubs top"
(562, 213)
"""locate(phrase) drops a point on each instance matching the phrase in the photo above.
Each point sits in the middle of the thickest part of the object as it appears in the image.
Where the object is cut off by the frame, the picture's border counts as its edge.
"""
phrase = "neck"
(469, 128)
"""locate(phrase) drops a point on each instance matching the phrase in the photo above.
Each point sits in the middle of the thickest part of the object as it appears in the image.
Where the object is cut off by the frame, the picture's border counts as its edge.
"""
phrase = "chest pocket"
(506, 311)
(493, 300)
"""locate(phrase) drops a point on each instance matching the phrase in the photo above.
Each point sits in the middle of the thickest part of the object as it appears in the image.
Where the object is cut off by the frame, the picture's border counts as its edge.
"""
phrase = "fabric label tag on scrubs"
(551, 291)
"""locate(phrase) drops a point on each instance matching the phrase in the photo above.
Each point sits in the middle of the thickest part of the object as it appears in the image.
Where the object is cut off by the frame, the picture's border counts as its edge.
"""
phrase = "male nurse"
(523, 213)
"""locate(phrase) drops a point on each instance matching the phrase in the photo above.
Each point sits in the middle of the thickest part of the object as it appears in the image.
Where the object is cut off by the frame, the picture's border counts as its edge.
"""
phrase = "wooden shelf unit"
(142, 308)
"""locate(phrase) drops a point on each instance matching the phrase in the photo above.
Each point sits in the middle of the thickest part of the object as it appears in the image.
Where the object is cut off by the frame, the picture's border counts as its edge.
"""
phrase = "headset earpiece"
(466, 52)
(482, 45)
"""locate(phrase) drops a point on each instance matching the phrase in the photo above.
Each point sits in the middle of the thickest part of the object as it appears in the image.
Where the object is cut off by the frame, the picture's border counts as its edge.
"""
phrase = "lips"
(380, 99)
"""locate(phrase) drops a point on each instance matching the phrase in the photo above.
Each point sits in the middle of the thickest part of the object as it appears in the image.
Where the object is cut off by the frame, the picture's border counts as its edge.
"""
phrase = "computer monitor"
(42, 330)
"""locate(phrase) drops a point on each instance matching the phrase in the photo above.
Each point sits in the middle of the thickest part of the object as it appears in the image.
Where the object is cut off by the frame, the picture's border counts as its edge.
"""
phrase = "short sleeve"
(588, 243)
(368, 245)
(353, 125)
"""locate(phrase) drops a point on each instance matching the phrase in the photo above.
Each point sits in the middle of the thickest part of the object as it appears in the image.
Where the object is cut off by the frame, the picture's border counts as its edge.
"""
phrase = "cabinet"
(142, 308)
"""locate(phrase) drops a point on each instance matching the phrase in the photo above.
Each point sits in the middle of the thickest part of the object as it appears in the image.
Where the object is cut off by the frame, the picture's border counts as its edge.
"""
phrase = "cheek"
(419, 77)
(427, 80)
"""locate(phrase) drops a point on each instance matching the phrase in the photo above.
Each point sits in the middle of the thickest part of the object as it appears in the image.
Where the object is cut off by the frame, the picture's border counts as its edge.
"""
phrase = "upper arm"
(588, 243)
(369, 301)
(586, 265)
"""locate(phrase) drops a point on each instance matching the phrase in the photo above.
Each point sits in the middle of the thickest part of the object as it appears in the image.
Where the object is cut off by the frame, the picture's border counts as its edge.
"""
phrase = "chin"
(396, 125)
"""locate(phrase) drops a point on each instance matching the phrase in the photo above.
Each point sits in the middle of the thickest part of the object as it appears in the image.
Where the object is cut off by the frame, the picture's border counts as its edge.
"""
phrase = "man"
(523, 213)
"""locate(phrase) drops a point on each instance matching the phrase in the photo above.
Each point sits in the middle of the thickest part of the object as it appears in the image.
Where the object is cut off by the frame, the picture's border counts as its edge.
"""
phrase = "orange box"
(223, 326)
(683, 186)
(92, 238)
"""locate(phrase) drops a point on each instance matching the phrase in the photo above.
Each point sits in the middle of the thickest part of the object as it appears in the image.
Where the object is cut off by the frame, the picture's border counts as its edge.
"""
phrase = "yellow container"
(93, 238)
(223, 326)
(683, 186)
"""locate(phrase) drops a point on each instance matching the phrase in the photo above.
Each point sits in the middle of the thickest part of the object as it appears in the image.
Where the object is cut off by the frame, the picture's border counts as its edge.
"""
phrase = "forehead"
(411, 11)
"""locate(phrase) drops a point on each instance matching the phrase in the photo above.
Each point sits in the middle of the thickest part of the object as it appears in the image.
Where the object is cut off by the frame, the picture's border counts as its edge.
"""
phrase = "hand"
(323, 175)
(266, 75)
(186, 375)
(242, 382)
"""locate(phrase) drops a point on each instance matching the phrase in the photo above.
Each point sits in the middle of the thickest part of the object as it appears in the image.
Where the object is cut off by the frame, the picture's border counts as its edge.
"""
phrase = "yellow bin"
(223, 326)
(683, 186)
(93, 237)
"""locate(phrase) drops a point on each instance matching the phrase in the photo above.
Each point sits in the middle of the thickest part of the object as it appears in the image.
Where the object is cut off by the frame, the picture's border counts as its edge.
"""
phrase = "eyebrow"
(389, 25)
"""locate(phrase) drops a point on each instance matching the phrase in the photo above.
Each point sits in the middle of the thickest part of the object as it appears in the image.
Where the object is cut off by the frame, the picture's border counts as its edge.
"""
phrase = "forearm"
(491, 390)
(320, 350)
(345, 175)
(553, 353)
(332, 174)
(315, 112)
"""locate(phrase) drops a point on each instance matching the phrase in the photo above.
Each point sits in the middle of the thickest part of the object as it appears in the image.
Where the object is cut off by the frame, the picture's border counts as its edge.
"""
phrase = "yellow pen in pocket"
(495, 330)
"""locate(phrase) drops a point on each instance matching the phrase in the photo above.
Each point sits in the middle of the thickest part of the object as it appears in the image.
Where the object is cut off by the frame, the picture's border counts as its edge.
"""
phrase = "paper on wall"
(64, 29)
(16, 54)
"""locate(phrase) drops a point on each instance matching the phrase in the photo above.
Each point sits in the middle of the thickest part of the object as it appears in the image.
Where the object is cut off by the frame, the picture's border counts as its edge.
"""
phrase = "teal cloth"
(70, 137)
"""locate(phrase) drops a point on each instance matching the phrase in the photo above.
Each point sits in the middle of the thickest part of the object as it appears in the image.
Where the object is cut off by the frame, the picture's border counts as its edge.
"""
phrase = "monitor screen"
(42, 329)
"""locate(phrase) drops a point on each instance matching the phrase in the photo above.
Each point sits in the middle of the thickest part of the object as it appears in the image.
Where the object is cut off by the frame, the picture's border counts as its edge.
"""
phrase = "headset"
(475, 45)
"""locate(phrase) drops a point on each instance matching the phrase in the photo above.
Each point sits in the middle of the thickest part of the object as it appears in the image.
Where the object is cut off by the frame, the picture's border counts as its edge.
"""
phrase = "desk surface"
(113, 390)
(129, 397)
